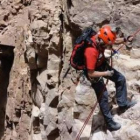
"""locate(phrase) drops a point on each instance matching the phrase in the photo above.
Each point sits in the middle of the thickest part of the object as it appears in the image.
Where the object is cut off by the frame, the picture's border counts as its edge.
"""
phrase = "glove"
(109, 73)
(130, 38)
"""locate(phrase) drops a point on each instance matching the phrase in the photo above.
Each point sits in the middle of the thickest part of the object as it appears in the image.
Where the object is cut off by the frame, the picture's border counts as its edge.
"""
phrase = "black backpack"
(77, 59)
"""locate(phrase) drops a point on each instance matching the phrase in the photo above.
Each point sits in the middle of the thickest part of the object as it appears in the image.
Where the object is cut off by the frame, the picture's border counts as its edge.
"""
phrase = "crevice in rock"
(135, 2)
(36, 125)
(70, 130)
(26, 2)
(69, 4)
(76, 115)
(50, 86)
(61, 17)
(9, 124)
(6, 17)
(2, 27)
(54, 102)
(6, 62)
(59, 109)
(18, 113)
(54, 134)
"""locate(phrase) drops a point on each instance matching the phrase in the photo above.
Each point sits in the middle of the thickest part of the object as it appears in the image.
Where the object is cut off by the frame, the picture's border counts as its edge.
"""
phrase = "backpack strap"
(92, 42)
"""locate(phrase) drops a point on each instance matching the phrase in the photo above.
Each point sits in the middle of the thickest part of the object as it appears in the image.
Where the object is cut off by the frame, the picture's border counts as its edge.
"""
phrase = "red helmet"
(107, 35)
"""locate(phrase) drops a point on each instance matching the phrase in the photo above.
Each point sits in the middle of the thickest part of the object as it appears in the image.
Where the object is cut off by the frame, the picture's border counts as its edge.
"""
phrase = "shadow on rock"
(6, 62)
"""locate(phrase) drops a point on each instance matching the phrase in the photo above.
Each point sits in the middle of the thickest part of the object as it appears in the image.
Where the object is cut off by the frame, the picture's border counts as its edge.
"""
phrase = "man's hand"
(130, 38)
(109, 73)
(128, 42)
(97, 74)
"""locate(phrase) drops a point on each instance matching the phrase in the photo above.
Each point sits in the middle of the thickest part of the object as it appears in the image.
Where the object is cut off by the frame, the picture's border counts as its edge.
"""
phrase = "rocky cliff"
(36, 38)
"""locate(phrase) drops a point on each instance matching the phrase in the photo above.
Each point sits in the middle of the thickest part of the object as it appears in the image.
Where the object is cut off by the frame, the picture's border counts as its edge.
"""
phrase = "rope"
(89, 116)
(133, 35)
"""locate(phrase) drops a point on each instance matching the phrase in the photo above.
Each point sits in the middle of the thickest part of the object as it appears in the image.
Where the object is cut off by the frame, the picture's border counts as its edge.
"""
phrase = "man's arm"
(119, 41)
(94, 74)
(122, 40)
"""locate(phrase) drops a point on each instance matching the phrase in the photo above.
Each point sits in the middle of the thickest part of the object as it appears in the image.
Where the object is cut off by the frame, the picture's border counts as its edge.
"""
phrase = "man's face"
(103, 45)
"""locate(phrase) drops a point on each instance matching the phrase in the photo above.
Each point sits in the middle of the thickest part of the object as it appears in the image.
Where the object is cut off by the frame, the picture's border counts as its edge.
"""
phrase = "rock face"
(37, 38)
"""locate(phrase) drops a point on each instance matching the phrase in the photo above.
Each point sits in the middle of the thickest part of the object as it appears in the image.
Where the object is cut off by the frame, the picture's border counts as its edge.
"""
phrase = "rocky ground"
(38, 36)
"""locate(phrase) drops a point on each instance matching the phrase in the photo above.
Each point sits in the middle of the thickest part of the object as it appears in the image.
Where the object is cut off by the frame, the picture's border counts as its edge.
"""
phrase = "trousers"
(102, 93)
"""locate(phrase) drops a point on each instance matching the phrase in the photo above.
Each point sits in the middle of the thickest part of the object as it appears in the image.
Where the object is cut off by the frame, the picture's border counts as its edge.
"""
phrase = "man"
(97, 67)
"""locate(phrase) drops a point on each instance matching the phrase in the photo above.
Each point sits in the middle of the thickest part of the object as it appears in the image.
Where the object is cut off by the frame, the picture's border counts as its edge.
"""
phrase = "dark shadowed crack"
(6, 62)
(69, 3)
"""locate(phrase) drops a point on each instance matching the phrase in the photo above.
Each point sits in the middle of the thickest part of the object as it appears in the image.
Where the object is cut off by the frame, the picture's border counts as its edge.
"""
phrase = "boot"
(129, 104)
(113, 126)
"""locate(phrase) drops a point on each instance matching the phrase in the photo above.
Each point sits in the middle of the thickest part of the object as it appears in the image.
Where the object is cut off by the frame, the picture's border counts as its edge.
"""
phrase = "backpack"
(77, 59)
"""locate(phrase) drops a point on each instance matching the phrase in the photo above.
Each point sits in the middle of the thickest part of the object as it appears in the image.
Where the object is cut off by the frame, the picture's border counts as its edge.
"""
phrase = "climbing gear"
(107, 35)
(77, 59)
(115, 53)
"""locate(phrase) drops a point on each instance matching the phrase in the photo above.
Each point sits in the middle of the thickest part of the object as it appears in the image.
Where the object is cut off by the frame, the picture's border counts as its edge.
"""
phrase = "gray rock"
(135, 53)
(38, 25)
(50, 119)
